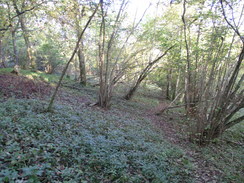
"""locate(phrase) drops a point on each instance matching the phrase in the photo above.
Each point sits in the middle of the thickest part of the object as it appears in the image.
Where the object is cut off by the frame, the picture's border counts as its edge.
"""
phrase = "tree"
(71, 58)
(213, 95)
(229, 98)
(13, 29)
(188, 86)
(50, 55)
(113, 57)
(206, 59)
(79, 14)
(22, 20)
(144, 74)
(1, 53)
(106, 83)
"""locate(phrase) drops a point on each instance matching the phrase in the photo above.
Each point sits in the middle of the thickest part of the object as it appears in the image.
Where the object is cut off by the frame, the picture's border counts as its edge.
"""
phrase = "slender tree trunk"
(169, 93)
(195, 86)
(103, 99)
(79, 15)
(188, 88)
(16, 56)
(30, 56)
(144, 74)
(2, 54)
(82, 65)
(13, 30)
(131, 92)
(71, 58)
(177, 85)
(30, 52)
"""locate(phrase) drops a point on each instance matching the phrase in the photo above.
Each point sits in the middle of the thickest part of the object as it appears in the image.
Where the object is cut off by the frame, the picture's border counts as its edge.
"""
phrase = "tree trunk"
(49, 69)
(82, 66)
(144, 74)
(131, 92)
(169, 85)
(49, 108)
(106, 79)
(2, 54)
(102, 99)
(188, 92)
(29, 49)
(177, 86)
(79, 14)
(222, 109)
(16, 56)
(30, 57)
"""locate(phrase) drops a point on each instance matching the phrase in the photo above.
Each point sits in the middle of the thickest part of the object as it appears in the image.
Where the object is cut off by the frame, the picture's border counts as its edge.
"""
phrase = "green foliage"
(227, 154)
(90, 146)
(50, 54)
(4, 19)
(5, 70)
(38, 75)
(223, 155)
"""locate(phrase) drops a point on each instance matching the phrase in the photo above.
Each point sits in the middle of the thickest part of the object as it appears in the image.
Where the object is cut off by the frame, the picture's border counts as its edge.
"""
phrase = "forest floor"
(79, 142)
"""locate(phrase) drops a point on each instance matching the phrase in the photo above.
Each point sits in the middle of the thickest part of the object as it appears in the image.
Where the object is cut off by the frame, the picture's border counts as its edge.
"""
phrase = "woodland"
(116, 91)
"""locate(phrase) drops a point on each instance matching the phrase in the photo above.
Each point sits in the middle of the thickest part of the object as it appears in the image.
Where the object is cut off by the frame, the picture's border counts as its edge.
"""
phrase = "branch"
(234, 122)
(170, 105)
(71, 58)
(18, 14)
(147, 70)
(131, 33)
(228, 22)
(110, 42)
(126, 66)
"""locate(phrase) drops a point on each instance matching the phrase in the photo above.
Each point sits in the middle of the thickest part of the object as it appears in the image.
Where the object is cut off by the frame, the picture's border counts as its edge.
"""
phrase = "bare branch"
(229, 23)
(71, 58)
(19, 13)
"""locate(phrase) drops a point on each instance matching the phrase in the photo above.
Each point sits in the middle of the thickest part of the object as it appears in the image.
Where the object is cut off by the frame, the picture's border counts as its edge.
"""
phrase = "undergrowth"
(79, 144)
(83, 146)
(38, 75)
(227, 154)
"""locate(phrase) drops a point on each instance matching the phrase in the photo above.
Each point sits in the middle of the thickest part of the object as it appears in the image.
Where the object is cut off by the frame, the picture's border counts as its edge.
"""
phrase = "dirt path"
(205, 172)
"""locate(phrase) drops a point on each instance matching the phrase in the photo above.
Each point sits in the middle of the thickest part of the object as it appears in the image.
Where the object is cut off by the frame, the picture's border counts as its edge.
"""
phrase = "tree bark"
(169, 85)
(131, 92)
(29, 49)
(188, 65)
(103, 99)
(30, 57)
(70, 60)
(16, 56)
(144, 74)
(82, 66)
(1, 54)
(79, 14)
(106, 79)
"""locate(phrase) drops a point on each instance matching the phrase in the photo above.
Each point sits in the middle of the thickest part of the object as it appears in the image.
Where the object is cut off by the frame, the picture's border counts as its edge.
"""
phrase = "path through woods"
(204, 169)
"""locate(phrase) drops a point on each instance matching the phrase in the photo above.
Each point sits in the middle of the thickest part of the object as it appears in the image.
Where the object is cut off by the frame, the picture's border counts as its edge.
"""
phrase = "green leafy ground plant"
(84, 146)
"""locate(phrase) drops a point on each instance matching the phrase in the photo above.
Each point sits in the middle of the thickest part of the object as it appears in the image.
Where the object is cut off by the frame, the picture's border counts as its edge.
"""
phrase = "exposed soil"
(12, 85)
(17, 86)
